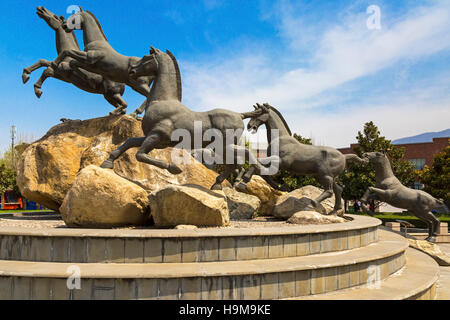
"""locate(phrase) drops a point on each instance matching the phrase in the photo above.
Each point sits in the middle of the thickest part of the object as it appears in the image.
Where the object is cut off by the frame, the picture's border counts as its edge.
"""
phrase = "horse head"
(375, 157)
(52, 19)
(258, 117)
(148, 65)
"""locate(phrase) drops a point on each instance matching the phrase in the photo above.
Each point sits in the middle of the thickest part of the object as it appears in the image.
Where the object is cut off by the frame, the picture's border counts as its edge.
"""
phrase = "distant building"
(259, 149)
(9, 200)
(420, 154)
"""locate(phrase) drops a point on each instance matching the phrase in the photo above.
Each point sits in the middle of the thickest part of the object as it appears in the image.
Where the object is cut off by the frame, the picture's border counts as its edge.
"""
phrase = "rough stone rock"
(47, 168)
(300, 200)
(188, 204)
(432, 250)
(99, 198)
(241, 205)
(286, 208)
(264, 192)
(312, 217)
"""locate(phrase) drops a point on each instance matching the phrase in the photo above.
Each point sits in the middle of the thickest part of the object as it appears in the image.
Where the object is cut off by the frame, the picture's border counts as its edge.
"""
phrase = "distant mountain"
(424, 137)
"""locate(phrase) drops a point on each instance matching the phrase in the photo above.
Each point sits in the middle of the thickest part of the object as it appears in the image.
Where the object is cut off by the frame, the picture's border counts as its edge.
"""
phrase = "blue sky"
(314, 60)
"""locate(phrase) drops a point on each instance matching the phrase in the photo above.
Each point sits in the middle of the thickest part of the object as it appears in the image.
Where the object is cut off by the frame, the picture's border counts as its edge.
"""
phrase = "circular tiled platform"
(171, 246)
(274, 262)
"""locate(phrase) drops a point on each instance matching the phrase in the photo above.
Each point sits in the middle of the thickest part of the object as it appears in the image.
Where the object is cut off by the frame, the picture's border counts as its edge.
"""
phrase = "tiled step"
(183, 246)
(417, 280)
(254, 279)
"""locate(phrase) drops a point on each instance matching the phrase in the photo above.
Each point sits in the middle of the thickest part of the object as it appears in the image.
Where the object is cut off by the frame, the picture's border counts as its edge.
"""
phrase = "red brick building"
(420, 154)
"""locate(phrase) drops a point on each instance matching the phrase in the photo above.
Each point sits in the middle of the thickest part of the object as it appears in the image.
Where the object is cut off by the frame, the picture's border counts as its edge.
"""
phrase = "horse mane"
(177, 70)
(390, 161)
(98, 23)
(282, 119)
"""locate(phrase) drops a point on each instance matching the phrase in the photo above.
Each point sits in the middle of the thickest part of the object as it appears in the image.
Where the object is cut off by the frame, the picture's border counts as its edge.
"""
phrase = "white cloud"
(345, 52)
(342, 53)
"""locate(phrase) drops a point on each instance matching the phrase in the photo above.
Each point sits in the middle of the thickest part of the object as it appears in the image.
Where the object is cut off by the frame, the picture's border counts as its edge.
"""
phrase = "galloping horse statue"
(165, 113)
(99, 57)
(324, 163)
(390, 190)
(87, 81)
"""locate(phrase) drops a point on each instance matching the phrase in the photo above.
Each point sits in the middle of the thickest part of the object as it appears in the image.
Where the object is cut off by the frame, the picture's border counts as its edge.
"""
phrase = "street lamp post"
(13, 137)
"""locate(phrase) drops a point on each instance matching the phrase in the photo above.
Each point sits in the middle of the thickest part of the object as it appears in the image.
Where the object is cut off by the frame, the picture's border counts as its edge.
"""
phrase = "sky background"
(316, 61)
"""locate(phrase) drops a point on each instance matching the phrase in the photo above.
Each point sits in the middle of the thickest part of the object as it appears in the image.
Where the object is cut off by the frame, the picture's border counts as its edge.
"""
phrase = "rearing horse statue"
(324, 163)
(165, 113)
(99, 57)
(390, 190)
(112, 91)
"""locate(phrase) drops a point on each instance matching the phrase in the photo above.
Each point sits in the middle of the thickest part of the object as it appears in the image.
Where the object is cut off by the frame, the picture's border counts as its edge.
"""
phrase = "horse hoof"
(107, 164)
(174, 169)
(25, 77)
(241, 186)
(134, 115)
(38, 92)
(216, 187)
(431, 239)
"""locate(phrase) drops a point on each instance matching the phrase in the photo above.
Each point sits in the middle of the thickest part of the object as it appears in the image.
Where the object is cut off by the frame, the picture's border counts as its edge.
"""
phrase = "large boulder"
(99, 198)
(258, 187)
(300, 200)
(189, 205)
(241, 205)
(312, 217)
(48, 167)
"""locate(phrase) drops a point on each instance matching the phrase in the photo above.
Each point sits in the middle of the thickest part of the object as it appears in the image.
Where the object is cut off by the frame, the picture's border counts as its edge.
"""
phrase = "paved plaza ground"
(444, 280)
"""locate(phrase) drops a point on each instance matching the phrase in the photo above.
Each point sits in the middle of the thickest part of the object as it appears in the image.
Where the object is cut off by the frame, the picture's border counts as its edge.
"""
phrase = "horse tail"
(353, 158)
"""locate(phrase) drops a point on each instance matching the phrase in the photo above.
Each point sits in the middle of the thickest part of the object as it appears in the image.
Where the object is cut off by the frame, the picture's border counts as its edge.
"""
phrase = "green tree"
(437, 177)
(358, 177)
(7, 178)
(291, 181)
(8, 168)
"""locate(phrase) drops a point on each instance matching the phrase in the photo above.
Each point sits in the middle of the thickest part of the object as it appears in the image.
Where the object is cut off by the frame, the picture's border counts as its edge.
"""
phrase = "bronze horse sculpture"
(164, 114)
(87, 81)
(324, 163)
(101, 58)
(390, 190)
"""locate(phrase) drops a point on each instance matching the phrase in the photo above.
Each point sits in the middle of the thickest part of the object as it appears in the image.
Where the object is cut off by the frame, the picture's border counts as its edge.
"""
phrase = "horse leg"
(327, 183)
(433, 224)
(221, 177)
(150, 143)
(238, 182)
(117, 101)
(423, 217)
(84, 58)
(26, 71)
(130, 143)
(337, 189)
(144, 89)
(139, 110)
(49, 72)
(91, 79)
